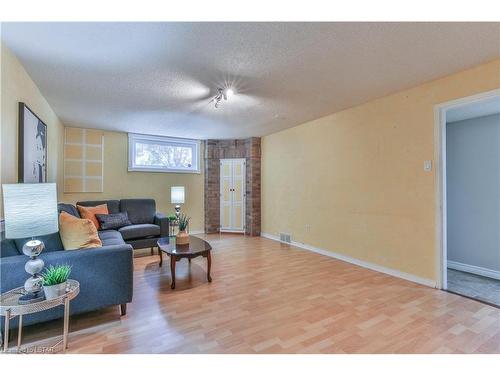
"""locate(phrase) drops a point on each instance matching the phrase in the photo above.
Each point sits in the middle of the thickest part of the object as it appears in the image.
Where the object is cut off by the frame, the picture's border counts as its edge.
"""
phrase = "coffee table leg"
(66, 324)
(161, 256)
(172, 270)
(209, 265)
(6, 331)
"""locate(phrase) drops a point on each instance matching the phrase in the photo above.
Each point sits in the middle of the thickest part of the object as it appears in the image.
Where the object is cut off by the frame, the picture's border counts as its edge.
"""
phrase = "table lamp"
(177, 198)
(30, 210)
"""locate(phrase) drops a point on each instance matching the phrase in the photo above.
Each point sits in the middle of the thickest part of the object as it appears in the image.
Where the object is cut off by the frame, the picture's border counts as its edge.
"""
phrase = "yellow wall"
(356, 176)
(119, 183)
(17, 86)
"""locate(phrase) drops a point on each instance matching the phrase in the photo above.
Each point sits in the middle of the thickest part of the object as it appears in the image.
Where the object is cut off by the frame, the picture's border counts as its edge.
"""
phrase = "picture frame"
(32, 151)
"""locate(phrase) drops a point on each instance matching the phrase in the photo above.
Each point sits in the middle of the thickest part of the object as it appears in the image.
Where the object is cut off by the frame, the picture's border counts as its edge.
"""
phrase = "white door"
(232, 195)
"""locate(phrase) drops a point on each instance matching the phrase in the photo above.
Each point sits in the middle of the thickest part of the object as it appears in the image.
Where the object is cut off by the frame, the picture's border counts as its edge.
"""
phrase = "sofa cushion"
(51, 242)
(77, 233)
(113, 221)
(113, 205)
(140, 211)
(69, 208)
(8, 248)
(111, 237)
(139, 231)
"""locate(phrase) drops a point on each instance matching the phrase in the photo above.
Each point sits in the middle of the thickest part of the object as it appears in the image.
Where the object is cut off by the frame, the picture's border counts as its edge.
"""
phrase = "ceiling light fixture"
(222, 94)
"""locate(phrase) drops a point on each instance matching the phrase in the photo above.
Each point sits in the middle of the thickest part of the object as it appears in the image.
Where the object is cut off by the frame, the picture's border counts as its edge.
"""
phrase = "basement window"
(149, 153)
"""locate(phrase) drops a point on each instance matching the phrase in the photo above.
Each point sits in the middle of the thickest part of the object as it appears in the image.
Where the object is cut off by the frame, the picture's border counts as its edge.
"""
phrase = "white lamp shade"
(30, 210)
(177, 194)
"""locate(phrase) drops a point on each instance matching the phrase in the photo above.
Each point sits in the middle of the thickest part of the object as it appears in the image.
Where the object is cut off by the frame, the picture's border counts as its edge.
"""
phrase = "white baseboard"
(474, 269)
(358, 262)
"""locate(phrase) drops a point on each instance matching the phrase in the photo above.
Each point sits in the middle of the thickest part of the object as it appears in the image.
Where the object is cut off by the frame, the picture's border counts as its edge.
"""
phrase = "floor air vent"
(285, 237)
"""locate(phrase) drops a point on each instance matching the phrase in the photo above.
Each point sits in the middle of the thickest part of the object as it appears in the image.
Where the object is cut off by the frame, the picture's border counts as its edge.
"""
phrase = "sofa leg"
(123, 309)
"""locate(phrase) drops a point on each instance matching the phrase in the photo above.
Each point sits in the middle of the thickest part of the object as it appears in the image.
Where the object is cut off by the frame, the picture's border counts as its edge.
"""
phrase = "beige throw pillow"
(77, 233)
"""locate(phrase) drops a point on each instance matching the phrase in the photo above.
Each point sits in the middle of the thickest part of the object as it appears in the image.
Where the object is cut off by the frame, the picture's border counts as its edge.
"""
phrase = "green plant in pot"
(55, 280)
(182, 238)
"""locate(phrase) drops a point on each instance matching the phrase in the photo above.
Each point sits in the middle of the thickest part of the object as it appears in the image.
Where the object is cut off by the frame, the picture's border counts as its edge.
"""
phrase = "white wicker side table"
(10, 308)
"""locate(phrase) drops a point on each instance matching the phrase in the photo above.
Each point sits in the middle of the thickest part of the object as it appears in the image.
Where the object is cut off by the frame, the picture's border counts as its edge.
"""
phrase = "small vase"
(182, 238)
(171, 226)
(54, 291)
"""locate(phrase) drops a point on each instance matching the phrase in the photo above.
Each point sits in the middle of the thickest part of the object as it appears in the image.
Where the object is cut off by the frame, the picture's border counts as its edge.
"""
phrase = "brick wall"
(226, 149)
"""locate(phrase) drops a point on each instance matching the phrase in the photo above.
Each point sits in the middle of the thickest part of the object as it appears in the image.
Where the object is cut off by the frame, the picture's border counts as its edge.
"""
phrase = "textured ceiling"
(157, 78)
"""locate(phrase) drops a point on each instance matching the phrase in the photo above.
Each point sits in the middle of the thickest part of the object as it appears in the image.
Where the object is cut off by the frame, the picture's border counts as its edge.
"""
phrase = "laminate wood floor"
(268, 297)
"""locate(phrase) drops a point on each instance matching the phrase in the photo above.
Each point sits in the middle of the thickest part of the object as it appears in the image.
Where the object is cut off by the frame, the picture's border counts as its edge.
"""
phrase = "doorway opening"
(468, 194)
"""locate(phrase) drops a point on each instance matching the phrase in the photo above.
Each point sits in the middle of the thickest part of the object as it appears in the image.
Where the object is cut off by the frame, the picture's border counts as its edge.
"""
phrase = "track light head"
(222, 94)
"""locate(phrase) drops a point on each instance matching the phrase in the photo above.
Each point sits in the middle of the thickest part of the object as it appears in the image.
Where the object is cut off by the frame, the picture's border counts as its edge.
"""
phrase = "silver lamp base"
(34, 285)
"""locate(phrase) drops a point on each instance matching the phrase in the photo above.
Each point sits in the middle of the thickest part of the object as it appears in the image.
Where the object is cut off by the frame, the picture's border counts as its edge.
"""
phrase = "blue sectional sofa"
(105, 274)
(147, 224)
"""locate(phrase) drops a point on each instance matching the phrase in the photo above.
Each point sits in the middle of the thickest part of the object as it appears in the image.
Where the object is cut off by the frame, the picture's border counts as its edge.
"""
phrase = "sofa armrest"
(162, 221)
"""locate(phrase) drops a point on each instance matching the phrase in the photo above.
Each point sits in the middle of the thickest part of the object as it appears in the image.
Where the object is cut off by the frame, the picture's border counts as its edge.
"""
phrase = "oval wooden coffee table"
(195, 248)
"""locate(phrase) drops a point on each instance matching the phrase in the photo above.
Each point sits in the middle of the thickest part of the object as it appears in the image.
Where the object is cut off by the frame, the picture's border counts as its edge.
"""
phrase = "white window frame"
(143, 138)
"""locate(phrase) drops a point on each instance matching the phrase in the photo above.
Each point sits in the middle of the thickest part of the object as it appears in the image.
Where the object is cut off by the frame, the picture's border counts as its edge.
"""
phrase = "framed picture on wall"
(32, 163)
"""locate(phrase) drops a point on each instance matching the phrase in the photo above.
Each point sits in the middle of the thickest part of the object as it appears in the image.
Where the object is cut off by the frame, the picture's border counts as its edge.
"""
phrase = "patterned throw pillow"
(77, 233)
(90, 212)
(113, 221)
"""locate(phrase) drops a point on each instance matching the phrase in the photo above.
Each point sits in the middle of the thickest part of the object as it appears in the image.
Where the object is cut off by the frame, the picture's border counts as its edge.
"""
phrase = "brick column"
(226, 149)
(253, 187)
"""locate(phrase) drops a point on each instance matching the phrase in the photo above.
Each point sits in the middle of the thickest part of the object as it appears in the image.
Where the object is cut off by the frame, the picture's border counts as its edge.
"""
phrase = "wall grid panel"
(83, 160)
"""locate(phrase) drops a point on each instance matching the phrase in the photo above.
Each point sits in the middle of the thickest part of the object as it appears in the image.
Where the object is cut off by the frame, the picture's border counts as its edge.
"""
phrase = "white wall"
(473, 191)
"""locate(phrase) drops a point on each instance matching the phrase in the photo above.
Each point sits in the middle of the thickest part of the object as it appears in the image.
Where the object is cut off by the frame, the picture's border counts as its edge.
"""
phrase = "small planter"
(182, 238)
(54, 291)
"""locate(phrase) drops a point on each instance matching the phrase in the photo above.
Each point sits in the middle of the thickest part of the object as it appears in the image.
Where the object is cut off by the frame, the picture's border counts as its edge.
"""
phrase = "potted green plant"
(55, 279)
(182, 238)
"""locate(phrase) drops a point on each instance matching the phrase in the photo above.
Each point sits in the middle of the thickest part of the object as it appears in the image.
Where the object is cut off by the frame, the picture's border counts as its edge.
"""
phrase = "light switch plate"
(427, 165)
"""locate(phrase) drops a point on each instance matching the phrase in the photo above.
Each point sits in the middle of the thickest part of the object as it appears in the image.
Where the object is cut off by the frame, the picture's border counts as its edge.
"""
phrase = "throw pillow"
(77, 233)
(113, 221)
(89, 212)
